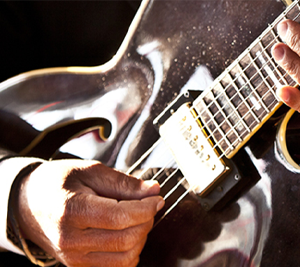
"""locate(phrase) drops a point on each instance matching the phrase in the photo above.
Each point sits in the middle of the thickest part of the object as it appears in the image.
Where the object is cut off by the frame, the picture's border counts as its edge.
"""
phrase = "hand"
(86, 214)
(288, 57)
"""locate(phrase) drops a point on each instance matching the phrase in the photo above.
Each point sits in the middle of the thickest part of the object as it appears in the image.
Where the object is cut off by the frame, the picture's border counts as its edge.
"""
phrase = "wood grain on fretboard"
(243, 97)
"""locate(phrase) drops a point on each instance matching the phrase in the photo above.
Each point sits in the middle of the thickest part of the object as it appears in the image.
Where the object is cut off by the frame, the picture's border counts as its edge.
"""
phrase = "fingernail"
(146, 185)
(278, 53)
(160, 205)
(283, 95)
(282, 29)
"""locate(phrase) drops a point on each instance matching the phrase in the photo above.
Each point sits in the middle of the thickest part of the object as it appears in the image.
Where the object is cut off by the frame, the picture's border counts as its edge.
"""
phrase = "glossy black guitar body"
(173, 45)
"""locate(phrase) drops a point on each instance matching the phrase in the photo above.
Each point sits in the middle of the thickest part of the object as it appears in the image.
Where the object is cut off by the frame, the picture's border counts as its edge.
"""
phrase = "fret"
(264, 88)
(223, 125)
(267, 41)
(293, 13)
(230, 115)
(239, 107)
(270, 67)
(249, 93)
(270, 59)
(266, 81)
(254, 82)
(243, 108)
(206, 111)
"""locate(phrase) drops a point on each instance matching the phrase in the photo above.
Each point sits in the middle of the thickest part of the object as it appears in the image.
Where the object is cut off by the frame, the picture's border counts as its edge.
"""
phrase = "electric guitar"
(188, 100)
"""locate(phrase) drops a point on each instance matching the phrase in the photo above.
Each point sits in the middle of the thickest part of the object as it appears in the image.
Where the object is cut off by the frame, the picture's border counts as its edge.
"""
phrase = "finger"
(106, 259)
(93, 240)
(114, 184)
(290, 96)
(287, 59)
(289, 31)
(85, 210)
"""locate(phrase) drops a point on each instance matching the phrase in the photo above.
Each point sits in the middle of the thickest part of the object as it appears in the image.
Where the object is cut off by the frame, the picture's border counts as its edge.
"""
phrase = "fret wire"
(279, 19)
(218, 143)
(143, 157)
(298, 13)
(226, 117)
(173, 206)
(246, 66)
(253, 91)
(217, 125)
(265, 52)
(243, 100)
(174, 188)
(251, 86)
(263, 81)
(168, 178)
(222, 139)
(276, 37)
(171, 161)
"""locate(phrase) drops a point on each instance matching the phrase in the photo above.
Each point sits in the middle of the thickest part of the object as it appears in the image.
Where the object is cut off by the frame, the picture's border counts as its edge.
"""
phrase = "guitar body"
(175, 45)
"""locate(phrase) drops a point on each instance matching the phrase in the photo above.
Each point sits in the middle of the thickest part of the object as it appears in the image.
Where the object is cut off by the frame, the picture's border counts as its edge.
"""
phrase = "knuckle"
(292, 68)
(66, 242)
(127, 184)
(120, 218)
(294, 40)
(128, 259)
(126, 242)
(124, 182)
(70, 259)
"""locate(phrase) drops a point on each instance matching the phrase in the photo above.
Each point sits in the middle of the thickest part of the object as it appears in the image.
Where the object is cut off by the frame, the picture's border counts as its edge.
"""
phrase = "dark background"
(40, 34)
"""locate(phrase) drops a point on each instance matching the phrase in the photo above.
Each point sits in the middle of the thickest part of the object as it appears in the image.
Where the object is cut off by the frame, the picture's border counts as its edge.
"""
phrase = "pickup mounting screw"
(205, 206)
(237, 177)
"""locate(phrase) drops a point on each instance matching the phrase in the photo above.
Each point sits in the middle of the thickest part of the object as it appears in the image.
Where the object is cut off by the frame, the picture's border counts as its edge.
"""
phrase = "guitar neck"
(243, 97)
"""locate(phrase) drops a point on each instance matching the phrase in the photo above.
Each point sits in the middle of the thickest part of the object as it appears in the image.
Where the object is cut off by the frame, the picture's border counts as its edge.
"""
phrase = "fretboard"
(243, 97)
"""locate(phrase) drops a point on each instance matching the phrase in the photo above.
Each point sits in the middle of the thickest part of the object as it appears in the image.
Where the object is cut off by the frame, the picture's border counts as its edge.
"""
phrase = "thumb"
(111, 183)
(290, 96)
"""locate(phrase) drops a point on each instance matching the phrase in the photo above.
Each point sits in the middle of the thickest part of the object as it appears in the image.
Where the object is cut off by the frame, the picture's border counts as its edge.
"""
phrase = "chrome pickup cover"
(197, 159)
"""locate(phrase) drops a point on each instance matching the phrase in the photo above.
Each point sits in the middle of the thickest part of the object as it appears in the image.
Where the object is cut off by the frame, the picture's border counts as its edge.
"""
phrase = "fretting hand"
(86, 214)
(288, 57)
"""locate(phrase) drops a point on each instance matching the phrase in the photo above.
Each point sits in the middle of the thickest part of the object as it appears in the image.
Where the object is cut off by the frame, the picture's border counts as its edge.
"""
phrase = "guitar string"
(245, 99)
(143, 157)
(168, 163)
(172, 207)
(242, 87)
(249, 65)
(169, 177)
(238, 122)
(159, 140)
(280, 18)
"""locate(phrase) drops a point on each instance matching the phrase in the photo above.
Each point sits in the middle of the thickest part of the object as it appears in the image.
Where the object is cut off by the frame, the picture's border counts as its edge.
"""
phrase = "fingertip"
(278, 51)
(283, 94)
(160, 204)
(150, 186)
(282, 29)
(290, 96)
